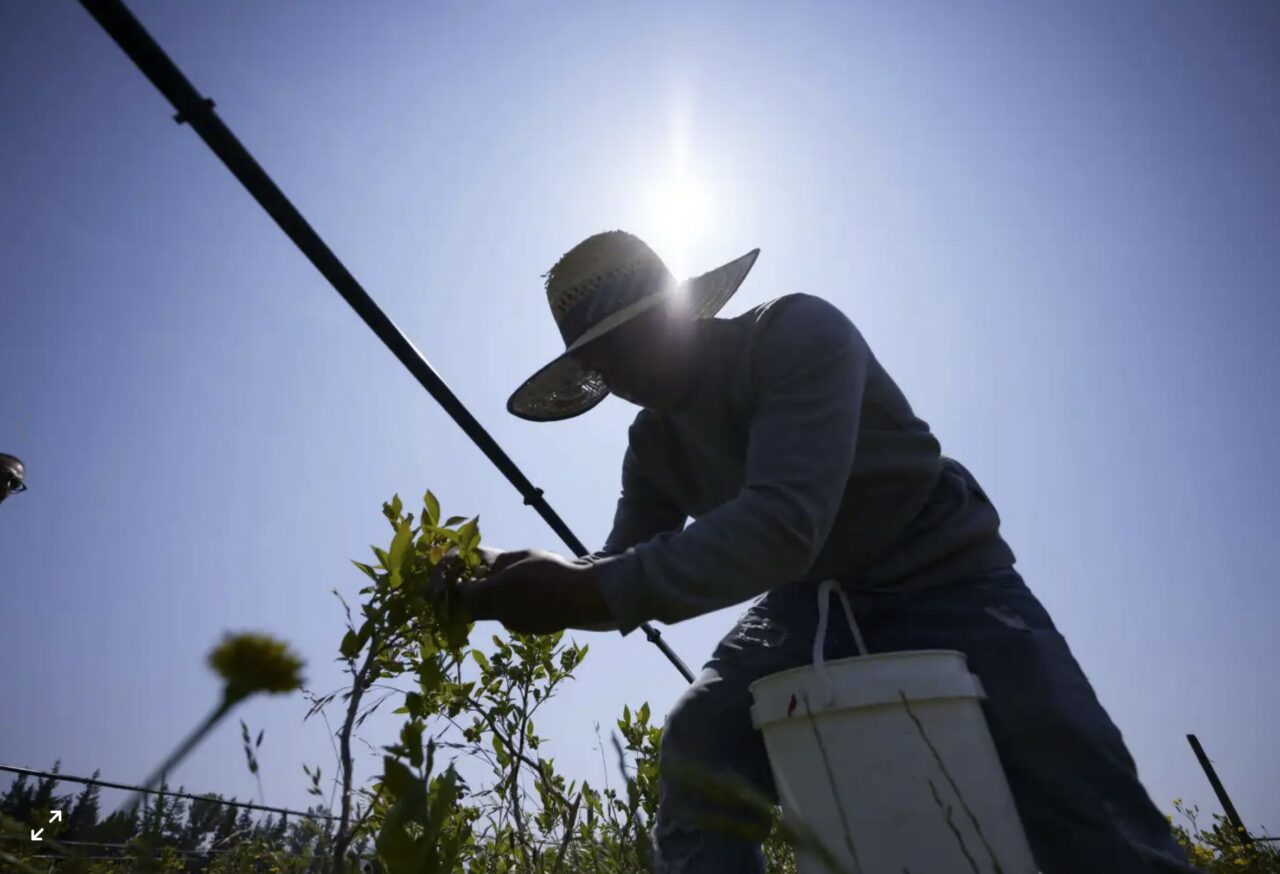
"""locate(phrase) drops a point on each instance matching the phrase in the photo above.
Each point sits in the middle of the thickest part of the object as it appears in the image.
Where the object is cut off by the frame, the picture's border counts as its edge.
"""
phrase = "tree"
(244, 826)
(27, 803)
(44, 797)
(225, 829)
(204, 818)
(17, 800)
(171, 820)
(119, 827)
(82, 819)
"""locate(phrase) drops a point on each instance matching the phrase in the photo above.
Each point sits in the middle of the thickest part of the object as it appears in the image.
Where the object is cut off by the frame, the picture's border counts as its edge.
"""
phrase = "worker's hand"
(536, 592)
(501, 559)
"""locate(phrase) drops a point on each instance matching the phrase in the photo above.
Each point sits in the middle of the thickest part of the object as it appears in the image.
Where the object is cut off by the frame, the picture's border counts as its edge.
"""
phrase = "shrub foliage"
(409, 643)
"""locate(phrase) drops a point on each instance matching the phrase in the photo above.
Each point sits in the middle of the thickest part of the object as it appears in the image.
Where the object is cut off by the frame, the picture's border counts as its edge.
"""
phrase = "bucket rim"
(879, 656)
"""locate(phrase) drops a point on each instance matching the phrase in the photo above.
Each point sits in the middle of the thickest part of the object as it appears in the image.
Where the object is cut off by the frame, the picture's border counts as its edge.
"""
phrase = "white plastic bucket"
(888, 787)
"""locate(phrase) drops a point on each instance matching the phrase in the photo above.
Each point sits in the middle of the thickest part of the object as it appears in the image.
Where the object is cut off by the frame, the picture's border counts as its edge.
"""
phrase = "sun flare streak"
(678, 208)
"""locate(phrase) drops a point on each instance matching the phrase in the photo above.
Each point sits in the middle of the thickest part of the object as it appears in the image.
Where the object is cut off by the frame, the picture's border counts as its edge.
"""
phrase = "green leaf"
(430, 676)
(411, 737)
(400, 781)
(469, 534)
(642, 715)
(368, 571)
(366, 630)
(456, 631)
(454, 520)
(431, 506)
(396, 845)
(481, 659)
(395, 557)
(350, 644)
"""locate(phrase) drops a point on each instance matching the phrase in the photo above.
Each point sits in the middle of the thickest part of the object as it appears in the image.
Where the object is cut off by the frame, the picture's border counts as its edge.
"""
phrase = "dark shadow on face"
(645, 360)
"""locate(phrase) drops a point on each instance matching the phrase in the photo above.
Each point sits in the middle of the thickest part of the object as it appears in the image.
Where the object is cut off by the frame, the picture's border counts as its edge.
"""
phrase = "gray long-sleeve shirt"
(797, 457)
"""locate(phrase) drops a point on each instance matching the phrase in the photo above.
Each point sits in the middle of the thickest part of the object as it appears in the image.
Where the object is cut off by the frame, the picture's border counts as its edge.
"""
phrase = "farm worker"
(778, 432)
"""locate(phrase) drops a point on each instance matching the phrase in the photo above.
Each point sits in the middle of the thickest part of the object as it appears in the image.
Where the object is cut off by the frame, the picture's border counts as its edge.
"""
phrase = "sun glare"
(678, 216)
(678, 207)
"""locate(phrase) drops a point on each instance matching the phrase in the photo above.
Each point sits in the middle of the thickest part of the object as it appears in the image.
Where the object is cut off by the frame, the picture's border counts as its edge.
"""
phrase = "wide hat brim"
(563, 388)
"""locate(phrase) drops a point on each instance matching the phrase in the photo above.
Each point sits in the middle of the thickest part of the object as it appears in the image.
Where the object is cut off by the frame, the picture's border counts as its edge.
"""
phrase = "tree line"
(172, 833)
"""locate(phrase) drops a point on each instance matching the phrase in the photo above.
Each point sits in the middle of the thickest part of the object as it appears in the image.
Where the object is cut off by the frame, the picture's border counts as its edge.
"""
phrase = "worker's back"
(909, 518)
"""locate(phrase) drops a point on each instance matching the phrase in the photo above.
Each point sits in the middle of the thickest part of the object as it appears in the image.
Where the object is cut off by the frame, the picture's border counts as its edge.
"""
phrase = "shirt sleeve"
(810, 368)
(642, 513)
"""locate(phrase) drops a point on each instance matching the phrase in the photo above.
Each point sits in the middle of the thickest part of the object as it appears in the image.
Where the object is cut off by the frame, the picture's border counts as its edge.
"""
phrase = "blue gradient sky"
(1056, 224)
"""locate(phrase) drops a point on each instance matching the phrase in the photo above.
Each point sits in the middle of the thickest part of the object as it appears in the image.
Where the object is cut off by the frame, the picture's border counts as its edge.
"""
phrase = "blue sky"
(1057, 225)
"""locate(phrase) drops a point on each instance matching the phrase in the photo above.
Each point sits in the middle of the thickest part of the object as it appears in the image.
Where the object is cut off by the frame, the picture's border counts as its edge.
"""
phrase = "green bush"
(409, 642)
(1218, 848)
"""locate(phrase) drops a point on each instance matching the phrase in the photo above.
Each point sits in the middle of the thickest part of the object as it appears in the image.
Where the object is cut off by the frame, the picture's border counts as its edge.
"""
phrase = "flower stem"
(184, 748)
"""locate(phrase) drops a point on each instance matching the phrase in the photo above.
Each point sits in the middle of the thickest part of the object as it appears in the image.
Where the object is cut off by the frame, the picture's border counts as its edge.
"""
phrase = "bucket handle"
(825, 590)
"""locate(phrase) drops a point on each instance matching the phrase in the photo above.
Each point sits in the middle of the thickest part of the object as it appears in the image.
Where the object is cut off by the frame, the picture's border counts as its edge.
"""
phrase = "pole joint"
(205, 105)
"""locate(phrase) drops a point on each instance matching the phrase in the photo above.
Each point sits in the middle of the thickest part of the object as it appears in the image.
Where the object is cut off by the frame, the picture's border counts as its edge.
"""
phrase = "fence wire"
(92, 781)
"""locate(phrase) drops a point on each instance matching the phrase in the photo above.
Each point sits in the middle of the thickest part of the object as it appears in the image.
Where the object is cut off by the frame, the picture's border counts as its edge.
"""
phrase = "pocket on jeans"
(756, 630)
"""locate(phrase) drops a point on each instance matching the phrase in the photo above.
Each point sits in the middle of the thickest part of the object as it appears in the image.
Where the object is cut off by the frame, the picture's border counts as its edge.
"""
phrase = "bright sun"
(678, 214)
(678, 208)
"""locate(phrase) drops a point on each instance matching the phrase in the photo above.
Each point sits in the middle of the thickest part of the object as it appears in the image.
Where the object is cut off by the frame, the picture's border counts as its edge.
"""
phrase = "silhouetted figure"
(801, 461)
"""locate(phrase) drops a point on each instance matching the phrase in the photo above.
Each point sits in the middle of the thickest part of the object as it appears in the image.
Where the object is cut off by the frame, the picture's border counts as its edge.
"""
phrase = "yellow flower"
(250, 663)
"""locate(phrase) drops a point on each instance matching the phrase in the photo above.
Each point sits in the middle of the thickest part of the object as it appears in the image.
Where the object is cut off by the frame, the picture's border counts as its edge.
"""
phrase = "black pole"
(1220, 791)
(197, 111)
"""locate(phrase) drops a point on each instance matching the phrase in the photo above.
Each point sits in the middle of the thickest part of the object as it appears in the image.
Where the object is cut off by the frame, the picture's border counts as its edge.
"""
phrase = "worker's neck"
(691, 355)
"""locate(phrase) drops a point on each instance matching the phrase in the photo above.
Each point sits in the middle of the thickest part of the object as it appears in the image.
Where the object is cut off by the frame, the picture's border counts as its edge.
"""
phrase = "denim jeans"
(1073, 781)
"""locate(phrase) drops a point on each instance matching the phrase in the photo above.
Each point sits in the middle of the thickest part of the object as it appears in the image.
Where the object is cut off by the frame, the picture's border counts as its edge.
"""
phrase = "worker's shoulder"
(798, 319)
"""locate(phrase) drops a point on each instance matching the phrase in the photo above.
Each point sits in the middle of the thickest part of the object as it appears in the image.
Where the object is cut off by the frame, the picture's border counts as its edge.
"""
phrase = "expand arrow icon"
(36, 833)
(56, 816)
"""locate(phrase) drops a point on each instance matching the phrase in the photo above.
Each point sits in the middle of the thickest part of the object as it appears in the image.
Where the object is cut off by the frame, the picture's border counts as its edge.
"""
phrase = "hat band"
(616, 294)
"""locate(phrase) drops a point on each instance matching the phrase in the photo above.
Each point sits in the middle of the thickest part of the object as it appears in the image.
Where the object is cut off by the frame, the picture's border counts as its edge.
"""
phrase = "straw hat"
(602, 282)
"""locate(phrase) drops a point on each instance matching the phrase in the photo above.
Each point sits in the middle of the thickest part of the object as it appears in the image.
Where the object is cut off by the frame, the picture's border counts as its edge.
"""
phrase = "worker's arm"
(810, 367)
(642, 513)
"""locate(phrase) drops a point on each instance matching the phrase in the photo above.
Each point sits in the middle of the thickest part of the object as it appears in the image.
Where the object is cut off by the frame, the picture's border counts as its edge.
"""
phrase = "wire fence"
(99, 850)
(107, 784)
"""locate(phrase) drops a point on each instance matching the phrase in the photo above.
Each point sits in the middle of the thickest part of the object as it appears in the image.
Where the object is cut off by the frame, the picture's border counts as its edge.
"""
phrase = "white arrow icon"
(56, 816)
(35, 835)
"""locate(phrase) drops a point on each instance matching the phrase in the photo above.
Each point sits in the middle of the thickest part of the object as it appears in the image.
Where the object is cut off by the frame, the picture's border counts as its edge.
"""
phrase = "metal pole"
(196, 110)
(1220, 791)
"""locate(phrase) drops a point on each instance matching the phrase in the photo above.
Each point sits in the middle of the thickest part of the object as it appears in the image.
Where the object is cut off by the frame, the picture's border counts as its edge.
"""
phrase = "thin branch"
(360, 679)
(488, 718)
(569, 821)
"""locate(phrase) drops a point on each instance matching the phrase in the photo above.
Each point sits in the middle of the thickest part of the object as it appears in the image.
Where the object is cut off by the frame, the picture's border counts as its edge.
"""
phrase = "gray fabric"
(798, 458)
